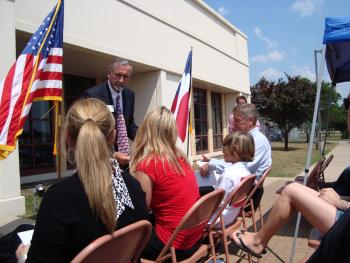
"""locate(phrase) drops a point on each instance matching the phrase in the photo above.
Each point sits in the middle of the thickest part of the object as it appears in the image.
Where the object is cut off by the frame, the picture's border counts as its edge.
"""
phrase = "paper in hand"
(26, 236)
(209, 180)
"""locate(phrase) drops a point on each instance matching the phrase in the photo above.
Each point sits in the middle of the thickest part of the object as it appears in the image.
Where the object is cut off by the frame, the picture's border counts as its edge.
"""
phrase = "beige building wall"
(11, 201)
(152, 33)
(144, 85)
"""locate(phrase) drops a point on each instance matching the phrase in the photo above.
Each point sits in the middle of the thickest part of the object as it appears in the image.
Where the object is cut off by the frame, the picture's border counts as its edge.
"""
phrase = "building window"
(36, 141)
(74, 86)
(200, 120)
(216, 120)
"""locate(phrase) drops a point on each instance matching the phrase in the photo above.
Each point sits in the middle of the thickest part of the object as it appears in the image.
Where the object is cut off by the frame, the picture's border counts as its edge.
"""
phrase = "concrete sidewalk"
(340, 161)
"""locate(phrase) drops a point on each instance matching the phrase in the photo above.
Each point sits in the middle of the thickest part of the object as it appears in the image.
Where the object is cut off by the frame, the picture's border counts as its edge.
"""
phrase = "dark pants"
(155, 246)
(342, 185)
(10, 243)
(335, 244)
(203, 190)
(257, 196)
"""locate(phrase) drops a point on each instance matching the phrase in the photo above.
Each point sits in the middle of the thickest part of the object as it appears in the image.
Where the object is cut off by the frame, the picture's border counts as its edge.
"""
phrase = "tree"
(288, 103)
(331, 110)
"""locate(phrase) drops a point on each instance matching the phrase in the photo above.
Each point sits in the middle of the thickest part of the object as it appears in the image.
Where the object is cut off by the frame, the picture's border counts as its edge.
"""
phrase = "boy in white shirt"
(238, 149)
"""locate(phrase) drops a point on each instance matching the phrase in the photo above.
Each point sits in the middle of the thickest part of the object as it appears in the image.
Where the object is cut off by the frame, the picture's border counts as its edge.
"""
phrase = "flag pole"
(38, 56)
(189, 123)
(57, 105)
(57, 138)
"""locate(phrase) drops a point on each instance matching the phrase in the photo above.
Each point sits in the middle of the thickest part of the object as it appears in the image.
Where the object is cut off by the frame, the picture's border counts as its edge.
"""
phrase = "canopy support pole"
(311, 141)
(319, 123)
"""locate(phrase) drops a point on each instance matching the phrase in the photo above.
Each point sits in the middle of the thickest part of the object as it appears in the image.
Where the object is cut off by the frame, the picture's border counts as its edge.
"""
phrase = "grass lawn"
(28, 194)
(291, 163)
(29, 199)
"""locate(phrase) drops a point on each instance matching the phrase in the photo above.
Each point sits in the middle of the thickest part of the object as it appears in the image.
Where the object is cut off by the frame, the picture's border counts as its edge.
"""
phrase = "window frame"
(201, 121)
(216, 109)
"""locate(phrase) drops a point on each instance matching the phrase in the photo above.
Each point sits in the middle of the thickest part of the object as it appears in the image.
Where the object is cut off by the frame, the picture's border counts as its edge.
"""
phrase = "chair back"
(199, 214)
(259, 183)
(325, 165)
(237, 196)
(315, 174)
(122, 246)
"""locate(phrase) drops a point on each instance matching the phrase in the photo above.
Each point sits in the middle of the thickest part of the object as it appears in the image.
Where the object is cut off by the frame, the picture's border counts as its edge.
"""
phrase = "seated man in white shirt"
(245, 118)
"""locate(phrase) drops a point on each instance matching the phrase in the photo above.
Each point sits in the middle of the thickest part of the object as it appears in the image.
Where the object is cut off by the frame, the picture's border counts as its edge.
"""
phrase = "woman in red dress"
(168, 180)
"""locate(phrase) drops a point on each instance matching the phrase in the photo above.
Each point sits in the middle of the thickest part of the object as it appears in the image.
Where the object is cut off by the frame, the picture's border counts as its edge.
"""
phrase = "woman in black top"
(98, 199)
(66, 224)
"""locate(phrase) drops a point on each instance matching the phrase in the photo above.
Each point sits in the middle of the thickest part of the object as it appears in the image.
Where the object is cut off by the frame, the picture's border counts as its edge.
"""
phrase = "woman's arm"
(21, 253)
(331, 196)
(147, 186)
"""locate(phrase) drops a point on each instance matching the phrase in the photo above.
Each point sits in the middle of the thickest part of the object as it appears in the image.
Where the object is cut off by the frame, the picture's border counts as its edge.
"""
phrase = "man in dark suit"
(113, 90)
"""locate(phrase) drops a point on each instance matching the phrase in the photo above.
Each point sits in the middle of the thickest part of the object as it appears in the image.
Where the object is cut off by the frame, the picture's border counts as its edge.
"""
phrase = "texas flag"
(181, 100)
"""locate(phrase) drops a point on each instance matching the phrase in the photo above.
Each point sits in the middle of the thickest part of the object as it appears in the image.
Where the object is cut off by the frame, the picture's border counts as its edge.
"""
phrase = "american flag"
(181, 100)
(36, 75)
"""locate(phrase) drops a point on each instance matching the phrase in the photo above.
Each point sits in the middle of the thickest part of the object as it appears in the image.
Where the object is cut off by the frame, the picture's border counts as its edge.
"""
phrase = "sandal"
(264, 251)
(244, 247)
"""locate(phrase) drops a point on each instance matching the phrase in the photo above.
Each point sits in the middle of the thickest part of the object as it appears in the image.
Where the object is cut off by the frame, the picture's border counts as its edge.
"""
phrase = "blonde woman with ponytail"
(168, 181)
(97, 199)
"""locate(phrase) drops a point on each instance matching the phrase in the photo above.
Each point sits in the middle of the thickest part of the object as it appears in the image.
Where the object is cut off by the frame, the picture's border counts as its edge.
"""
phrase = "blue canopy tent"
(337, 40)
(336, 53)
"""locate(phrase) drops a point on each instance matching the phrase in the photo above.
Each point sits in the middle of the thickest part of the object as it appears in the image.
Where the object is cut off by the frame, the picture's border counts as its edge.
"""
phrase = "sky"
(282, 34)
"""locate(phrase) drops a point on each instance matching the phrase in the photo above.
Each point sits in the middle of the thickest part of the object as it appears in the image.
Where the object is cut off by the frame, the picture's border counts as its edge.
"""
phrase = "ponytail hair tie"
(88, 120)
